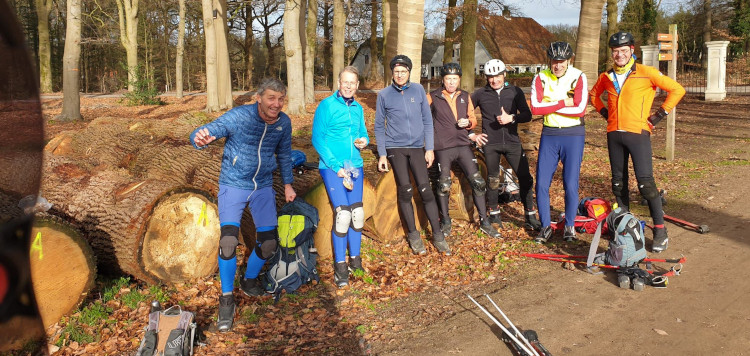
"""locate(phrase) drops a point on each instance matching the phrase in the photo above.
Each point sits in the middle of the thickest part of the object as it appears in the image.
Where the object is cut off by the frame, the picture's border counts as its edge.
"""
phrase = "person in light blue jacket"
(338, 134)
(254, 135)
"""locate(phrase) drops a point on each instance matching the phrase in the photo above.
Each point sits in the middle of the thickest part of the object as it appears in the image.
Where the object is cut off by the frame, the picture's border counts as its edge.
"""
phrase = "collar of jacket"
(611, 71)
(442, 89)
(488, 88)
(343, 100)
(400, 88)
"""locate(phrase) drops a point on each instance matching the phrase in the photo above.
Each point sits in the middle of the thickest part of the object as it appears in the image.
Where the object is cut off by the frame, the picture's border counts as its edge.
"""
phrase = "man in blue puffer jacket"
(254, 134)
(338, 133)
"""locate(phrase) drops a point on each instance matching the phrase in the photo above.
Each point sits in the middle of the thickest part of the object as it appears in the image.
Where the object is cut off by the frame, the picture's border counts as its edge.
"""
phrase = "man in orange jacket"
(630, 89)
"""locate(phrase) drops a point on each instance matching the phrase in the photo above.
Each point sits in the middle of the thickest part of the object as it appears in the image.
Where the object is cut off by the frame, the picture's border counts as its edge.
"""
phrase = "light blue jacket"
(403, 119)
(248, 161)
(335, 127)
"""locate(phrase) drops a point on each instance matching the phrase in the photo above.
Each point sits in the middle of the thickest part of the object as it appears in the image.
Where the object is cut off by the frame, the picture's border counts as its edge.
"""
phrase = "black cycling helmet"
(450, 68)
(621, 39)
(559, 51)
(401, 60)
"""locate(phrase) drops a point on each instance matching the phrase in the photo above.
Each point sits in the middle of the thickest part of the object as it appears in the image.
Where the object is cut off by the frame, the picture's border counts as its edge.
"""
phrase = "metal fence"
(691, 73)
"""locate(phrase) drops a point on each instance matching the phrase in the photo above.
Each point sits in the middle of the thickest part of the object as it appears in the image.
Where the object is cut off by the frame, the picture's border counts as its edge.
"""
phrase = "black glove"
(604, 113)
(656, 117)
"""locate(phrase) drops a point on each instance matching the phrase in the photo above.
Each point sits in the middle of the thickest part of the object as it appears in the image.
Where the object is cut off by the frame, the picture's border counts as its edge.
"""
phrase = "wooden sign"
(665, 46)
(665, 56)
(664, 37)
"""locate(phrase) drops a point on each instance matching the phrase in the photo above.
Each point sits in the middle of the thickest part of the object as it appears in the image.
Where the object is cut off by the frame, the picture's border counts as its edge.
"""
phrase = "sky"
(550, 12)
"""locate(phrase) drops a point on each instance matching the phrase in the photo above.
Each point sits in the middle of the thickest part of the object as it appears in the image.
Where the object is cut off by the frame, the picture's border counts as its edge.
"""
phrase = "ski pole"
(513, 326)
(506, 331)
(673, 271)
(682, 259)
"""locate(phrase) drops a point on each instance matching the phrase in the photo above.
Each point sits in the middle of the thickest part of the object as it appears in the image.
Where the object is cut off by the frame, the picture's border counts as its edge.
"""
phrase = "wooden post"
(672, 68)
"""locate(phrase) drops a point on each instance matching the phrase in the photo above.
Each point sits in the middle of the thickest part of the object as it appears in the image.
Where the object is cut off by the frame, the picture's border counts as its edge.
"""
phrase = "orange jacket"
(629, 110)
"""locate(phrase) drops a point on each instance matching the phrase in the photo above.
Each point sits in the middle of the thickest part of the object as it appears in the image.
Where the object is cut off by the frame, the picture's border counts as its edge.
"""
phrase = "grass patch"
(133, 298)
(111, 291)
(363, 328)
(733, 163)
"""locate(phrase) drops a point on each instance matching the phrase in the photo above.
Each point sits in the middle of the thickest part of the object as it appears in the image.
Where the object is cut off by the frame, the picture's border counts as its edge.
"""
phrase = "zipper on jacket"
(260, 145)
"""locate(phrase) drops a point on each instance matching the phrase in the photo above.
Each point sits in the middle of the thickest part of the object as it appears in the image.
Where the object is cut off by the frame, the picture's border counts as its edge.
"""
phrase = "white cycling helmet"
(494, 67)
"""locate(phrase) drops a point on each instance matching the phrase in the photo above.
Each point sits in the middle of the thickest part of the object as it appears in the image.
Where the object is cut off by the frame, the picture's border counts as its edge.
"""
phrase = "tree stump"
(63, 267)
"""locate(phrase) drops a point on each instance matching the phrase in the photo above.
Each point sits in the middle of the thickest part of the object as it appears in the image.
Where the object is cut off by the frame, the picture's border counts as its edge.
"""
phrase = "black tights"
(402, 161)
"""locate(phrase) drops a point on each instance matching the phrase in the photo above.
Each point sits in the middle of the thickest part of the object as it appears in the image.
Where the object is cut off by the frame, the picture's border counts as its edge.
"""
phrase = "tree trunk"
(59, 291)
(410, 35)
(339, 21)
(373, 75)
(707, 27)
(223, 68)
(180, 50)
(390, 37)
(327, 39)
(587, 47)
(386, 225)
(311, 32)
(128, 20)
(448, 43)
(294, 66)
(249, 44)
(43, 8)
(71, 59)
(212, 86)
(611, 17)
(468, 44)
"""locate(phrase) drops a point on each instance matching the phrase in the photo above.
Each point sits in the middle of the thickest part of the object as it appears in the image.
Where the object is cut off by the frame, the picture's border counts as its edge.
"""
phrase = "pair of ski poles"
(524, 344)
(673, 271)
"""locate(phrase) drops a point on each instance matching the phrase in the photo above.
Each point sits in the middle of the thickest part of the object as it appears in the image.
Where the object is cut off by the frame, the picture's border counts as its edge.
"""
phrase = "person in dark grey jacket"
(405, 138)
(254, 135)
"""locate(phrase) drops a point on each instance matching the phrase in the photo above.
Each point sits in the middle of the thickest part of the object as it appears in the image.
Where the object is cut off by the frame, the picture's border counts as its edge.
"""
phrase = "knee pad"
(444, 186)
(478, 185)
(618, 187)
(404, 194)
(425, 191)
(229, 241)
(358, 216)
(266, 244)
(342, 220)
(493, 182)
(648, 190)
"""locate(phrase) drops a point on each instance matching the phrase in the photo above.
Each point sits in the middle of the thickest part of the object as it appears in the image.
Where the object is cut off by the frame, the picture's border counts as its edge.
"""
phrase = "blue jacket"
(248, 161)
(403, 119)
(335, 127)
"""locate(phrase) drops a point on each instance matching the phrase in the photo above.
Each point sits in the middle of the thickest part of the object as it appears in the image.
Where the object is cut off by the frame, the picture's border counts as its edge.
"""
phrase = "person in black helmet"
(503, 107)
(453, 117)
(560, 94)
(405, 138)
(630, 89)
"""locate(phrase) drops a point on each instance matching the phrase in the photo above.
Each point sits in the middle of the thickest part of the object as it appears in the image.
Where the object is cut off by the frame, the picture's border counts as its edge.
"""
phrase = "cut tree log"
(385, 224)
(150, 229)
(63, 267)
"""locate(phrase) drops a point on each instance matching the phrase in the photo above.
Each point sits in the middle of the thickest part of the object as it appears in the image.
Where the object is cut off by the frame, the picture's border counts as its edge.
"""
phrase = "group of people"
(413, 131)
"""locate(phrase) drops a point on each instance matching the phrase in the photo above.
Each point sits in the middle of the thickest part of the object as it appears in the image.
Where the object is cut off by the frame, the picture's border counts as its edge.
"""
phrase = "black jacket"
(447, 132)
(513, 101)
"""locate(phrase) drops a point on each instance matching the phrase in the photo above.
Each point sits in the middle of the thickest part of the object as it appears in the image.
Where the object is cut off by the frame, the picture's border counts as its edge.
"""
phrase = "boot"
(544, 235)
(570, 234)
(494, 216)
(661, 241)
(226, 312)
(416, 244)
(438, 240)
(488, 229)
(532, 223)
(445, 227)
(340, 274)
(355, 265)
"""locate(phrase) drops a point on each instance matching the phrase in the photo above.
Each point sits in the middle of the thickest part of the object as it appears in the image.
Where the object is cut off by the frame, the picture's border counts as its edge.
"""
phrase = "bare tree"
(587, 47)
(218, 79)
(294, 66)
(127, 12)
(180, 49)
(374, 72)
(43, 8)
(71, 109)
(449, 23)
(390, 37)
(468, 44)
(311, 32)
(339, 19)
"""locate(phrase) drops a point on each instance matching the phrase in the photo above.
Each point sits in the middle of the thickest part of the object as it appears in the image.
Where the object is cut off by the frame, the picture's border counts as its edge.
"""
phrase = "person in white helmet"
(503, 107)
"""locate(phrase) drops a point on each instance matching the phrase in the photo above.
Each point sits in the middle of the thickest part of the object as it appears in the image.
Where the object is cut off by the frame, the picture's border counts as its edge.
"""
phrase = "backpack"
(169, 332)
(627, 243)
(294, 262)
(591, 211)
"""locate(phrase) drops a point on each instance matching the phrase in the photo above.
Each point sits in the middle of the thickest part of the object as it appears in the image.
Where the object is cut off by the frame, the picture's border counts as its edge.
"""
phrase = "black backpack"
(170, 332)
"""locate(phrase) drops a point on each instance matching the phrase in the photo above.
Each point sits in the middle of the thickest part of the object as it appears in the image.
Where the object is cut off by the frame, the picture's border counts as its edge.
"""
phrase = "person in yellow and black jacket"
(630, 88)
(453, 117)
(560, 94)
(503, 107)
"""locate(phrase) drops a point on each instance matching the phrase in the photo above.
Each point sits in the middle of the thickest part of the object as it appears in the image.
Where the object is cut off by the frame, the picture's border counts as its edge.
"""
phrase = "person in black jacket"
(503, 106)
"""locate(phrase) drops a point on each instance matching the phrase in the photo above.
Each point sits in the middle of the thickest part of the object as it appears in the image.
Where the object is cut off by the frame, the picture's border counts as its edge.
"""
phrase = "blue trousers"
(339, 195)
(569, 151)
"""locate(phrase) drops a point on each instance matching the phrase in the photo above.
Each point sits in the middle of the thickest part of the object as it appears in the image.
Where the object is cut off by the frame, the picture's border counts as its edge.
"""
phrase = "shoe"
(532, 223)
(570, 234)
(355, 264)
(226, 312)
(661, 241)
(488, 229)
(494, 216)
(544, 235)
(438, 240)
(638, 284)
(445, 227)
(340, 274)
(416, 244)
(624, 281)
(252, 287)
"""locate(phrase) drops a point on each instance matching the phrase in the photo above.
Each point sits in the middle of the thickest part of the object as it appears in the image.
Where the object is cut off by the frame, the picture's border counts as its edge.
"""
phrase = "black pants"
(517, 159)
(404, 160)
(468, 163)
(622, 145)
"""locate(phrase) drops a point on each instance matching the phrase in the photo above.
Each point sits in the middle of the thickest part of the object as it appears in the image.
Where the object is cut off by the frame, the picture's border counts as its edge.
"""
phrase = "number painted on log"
(203, 215)
(37, 245)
